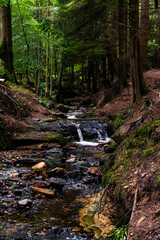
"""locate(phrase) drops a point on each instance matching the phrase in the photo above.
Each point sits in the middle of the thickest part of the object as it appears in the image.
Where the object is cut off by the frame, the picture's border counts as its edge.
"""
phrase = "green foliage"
(119, 233)
(118, 121)
(157, 181)
(4, 3)
(149, 151)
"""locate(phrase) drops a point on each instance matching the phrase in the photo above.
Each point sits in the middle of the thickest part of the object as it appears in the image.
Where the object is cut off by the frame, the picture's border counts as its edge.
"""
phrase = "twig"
(134, 207)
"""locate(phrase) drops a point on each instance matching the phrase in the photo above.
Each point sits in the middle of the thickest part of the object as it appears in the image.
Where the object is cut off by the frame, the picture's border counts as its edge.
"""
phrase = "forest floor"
(145, 205)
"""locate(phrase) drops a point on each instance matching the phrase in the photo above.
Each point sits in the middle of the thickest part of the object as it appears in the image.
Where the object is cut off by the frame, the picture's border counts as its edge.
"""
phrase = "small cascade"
(80, 134)
(107, 139)
(99, 136)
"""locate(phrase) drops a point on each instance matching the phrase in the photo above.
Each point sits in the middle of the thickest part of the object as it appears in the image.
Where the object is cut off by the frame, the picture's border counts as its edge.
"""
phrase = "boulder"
(63, 108)
(40, 168)
(38, 137)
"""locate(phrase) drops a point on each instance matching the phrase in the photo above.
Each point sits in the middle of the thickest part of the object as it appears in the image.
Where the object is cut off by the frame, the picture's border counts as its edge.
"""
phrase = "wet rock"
(45, 191)
(57, 182)
(91, 129)
(18, 192)
(76, 174)
(40, 168)
(57, 172)
(63, 108)
(96, 171)
(89, 180)
(38, 137)
(103, 159)
(110, 158)
(71, 160)
(13, 175)
(24, 202)
(41, 184)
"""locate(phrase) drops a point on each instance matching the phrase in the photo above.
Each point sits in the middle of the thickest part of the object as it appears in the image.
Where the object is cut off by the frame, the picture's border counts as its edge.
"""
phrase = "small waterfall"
(107, 139)
(99, 135)
(80, 134)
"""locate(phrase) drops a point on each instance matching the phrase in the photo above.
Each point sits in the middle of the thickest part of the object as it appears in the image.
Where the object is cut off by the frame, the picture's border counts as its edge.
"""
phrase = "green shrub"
(119, 233)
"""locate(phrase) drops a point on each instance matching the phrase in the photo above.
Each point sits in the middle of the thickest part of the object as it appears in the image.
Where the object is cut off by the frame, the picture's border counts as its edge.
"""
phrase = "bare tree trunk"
(51, 74)
(144, 30)
(26, 42)
(6, 38)
(122, 71)
(58, 97)
(135, 59)
(47, 59)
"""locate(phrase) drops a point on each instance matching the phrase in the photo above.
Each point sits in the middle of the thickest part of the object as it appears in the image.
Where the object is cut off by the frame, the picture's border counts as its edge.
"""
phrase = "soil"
(144, 223)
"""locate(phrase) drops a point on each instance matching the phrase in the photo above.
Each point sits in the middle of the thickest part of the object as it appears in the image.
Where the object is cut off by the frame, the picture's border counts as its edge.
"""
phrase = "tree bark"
(47, 59)
(122, 71)
(59, 92)
(144, 30)
(138, 84)
(6, 39)
(51, 74)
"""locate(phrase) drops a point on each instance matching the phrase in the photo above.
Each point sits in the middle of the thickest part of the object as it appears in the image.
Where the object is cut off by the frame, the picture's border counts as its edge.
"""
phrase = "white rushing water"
(90, 143)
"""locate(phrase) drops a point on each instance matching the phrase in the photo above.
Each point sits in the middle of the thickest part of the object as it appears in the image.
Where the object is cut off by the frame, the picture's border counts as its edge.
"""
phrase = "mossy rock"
(63, 108)
(41, 137)
(111, 147)
(22, 129)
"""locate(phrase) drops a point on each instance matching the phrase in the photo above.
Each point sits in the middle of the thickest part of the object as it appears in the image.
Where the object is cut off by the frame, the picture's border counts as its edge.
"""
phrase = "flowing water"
(48, 218)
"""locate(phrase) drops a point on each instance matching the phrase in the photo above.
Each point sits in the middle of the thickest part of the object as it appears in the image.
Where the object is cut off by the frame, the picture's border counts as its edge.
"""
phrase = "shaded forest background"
(64, 48)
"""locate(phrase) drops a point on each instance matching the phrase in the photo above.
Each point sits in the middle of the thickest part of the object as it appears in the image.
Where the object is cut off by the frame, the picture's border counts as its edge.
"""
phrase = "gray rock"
(24, 202)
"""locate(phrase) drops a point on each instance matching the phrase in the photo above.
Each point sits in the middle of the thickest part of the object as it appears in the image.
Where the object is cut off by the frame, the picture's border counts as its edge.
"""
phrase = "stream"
(25, 214)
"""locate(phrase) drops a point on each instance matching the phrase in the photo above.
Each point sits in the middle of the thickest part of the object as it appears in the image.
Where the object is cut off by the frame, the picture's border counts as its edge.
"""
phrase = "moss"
(109, 177)
(111, 148)
(132, 142)
(149, 151)
(23, 129)
(157, 181)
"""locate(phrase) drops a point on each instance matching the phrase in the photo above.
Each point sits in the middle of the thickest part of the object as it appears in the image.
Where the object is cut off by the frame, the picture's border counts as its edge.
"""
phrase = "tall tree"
(122, 37)
(144, 30)
(138, 83)
(6, 53)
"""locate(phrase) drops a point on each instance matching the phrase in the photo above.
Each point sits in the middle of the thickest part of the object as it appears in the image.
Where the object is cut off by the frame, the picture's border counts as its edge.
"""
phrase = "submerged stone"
(57, 172)
(40, 168)
(45, 191)
(95, 171)
(57, 182)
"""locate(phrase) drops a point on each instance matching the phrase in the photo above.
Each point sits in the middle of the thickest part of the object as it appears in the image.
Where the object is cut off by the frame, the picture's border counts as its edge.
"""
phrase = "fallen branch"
(133, 209)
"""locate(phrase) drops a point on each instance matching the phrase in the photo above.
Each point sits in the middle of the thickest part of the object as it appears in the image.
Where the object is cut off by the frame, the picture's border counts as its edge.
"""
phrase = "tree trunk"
(51, 74)
(59, 92)
(122, 71)
(144, 30)
(6, 39)
(47, 59)
(135, 59)
(27, 44)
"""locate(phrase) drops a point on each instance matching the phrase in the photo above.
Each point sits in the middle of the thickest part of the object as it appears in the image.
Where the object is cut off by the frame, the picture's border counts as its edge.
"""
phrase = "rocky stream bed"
(46, 185)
